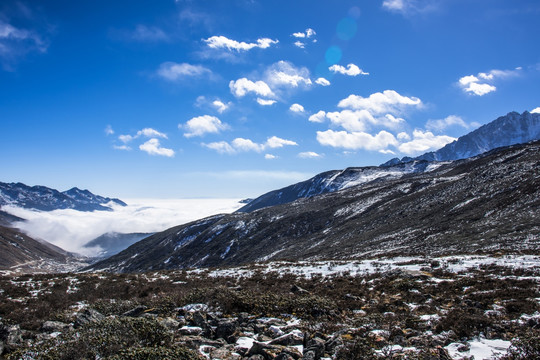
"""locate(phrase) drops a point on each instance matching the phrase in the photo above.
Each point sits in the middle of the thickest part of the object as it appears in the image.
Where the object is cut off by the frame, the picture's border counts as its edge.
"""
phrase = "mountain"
(489, 203)
(335, 180)
(514, 128)
(47, 199)
(112, 242)
(21, 253)
(506, 130)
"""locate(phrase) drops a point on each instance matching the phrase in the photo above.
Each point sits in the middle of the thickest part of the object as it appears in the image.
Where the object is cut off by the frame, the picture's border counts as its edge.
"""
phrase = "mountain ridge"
(487, 203)
(47, 199)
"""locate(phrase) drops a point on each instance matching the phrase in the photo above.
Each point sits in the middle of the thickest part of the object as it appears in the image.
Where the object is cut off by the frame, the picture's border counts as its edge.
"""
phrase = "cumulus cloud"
(297, 108)
(300, 44)
(319, 117)
(265, 102)
(172, 71)
(389, 101)
(306, 34)
(350, 70)
(423, 141)
(220, 106)
(356, 140)
(247, 145)
(285, 74)
(536, 111)
(122, 147)
(222, 42)
(147, 132)
(201, 125)
(71, 230)
(309, 155)
(270, 157)
(153, 147)
(243, 86)
(452, 120)
(409, 7)
(322, 81)
(482, 83)
(361, 120)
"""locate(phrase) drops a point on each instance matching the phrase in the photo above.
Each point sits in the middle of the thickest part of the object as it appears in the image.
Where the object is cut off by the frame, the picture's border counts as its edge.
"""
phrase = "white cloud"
(265, 102)
(297, 108)
(536, 111)
(360, 120)
(423, 141)
(173, 71)
(307, 34)
(153, 147)
(221, 42)
(201, 125)
(149, 132)
(220, 106)
(356, 140)
(285, 74)
(389, 101)
(403, 136)
(299, 44)
(408, 7)
(322, 81)
(393, 4)
(309, 155)
(246, 145)
(270, 157)
(16, 42)
(350, 70)
(71, 229)
(109, 130)
(319, 117)
(145, 33)
(122, 147)
(481, 84)
(442, 124)
(243, 86)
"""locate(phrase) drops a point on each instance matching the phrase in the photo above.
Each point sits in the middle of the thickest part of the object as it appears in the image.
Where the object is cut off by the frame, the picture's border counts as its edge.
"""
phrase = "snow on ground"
(71, 229)
(308, 269)
(480, 348)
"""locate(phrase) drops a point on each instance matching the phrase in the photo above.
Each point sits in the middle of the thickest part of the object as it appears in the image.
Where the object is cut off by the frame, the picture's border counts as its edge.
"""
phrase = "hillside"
(484, 204)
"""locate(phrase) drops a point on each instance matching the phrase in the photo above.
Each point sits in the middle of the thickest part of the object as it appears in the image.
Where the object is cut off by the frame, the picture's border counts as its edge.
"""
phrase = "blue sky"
(181, 99)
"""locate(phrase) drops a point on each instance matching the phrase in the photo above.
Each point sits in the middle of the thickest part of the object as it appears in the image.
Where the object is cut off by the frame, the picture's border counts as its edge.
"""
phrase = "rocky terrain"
(483, 204)
(452, 307)
(47, 199)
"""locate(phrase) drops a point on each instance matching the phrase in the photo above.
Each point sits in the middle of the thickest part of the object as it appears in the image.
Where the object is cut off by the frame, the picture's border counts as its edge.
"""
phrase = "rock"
(274, 331)
(135, 312)
(54, 326)
(284, 356)
(87, 316)
(226, 329)
(310, 355)
(256, 357)
(298, 290)
(190, 330)
(317, 346)
(224, 353)
(295, 337)
(199, 319)
(195, 341)
(267, 351)
(170, 323)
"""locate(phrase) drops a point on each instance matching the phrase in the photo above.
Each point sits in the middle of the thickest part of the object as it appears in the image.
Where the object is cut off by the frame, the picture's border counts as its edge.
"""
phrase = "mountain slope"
(331, 181)
(506, 130)
(47, 199)
(488, 203)
(112, 243)
(513, 128)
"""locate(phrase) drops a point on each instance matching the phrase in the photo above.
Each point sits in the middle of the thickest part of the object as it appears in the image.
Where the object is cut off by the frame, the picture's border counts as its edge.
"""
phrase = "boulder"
(87, 316)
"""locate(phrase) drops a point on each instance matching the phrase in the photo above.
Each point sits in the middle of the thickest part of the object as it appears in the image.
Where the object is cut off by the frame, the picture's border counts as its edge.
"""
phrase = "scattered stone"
(170, 323)
(190, 330)
(135, 312)
(54, 326)
(87, 316)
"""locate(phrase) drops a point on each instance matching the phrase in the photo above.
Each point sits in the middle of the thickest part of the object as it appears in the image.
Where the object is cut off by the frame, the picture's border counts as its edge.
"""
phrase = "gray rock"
(225, 330)
(87, 316)
(54, 326)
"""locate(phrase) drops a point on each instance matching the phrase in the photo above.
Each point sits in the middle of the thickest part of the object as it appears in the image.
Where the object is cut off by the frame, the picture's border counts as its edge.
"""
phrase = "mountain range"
(488, 203)
(513, 128)
(47, 199)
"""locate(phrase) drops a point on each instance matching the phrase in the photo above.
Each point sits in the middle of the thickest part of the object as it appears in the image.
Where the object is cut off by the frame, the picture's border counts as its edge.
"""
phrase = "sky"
(234, 98)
